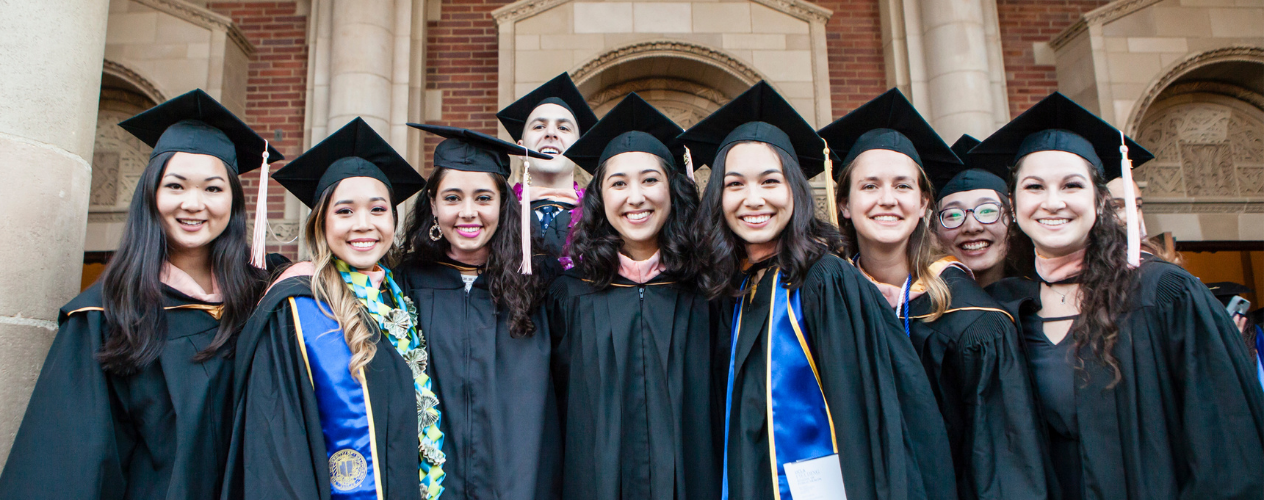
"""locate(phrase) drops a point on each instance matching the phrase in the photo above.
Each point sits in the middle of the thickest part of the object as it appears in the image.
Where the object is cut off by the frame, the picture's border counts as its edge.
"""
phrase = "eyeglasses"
(985, 213)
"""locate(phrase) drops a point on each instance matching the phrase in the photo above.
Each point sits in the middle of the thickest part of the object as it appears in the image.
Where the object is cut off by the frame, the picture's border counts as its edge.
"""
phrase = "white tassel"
(258, 241)
(1130, 205)
(525, 202)
(689, 165)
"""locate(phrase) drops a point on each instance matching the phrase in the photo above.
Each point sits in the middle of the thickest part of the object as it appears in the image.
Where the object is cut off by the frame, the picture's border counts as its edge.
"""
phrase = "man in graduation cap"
(333, 397)
(629, 317)
(549, 119)
(819, 379)
(1145, 386)
(489, 347)
(969, 346)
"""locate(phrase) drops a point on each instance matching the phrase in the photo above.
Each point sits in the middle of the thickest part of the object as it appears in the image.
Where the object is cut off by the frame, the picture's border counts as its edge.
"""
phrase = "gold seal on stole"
(347, 469)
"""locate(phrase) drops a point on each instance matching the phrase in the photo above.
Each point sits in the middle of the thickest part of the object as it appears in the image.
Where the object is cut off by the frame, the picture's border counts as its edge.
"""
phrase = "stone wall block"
(662, 17)
(755, 42)
(1178, 21)
(1237, 22)
(132, 28)
(603, 17)
(541, 65)
(549, 22)
(175, 30)
(766, 20)
(784, 65)
(1133, 68)
(722, 17)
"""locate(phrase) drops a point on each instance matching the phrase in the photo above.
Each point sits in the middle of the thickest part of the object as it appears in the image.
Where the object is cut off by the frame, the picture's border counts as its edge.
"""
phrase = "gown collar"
(640, 272)
(176, 278)
(1057, 270)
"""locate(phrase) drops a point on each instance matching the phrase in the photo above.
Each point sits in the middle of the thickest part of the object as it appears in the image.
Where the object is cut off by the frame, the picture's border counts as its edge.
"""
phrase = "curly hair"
(518, 293)
(596, 243)
(803, 241)
(1105, 279)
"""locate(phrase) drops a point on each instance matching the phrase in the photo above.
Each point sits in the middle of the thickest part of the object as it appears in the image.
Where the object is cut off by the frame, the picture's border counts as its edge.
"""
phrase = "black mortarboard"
(355, 150)
(632, 125)
(1057, 123)
(890, 122)
(560, 91)
(196, 123)
(1226, 290)
(969, 177)
(473, 151)
(760, 114)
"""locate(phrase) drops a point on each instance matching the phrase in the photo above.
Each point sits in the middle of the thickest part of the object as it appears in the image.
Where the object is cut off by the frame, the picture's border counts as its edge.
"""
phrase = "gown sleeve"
(68, 445)
(891, 438)
(1001, 441)
(1222, 405)
(273, 454)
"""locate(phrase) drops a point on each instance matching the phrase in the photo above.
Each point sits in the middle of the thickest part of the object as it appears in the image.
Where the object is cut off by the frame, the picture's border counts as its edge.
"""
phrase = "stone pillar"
(50, 84)
(361, 63)
(957, 71)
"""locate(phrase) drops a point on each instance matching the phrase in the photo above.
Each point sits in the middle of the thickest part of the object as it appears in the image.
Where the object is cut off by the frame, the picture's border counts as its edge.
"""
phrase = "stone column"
(50, 85)
(957, 72)
(361, 63)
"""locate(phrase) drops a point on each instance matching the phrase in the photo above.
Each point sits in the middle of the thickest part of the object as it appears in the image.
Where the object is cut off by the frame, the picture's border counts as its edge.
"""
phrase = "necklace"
(1054, 290)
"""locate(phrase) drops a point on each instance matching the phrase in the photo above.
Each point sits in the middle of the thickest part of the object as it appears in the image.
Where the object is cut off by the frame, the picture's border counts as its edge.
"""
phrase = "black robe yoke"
(500, 425)
(974, 360)
(553, 238)
(1186, 420)
(632, 365)
(159, 433)
(277, 449)
(891, 438)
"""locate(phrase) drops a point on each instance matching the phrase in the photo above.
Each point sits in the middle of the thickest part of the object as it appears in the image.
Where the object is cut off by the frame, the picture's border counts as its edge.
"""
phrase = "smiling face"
(467, 205)
(757, 200)
(550, 129)
(979, 246)
(194, 200)
(1055, 201)
(884, 199)
(359, 224)
(637, 199)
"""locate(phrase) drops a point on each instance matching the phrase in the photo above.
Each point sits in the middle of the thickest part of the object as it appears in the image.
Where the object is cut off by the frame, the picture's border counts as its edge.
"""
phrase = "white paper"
(816, 479)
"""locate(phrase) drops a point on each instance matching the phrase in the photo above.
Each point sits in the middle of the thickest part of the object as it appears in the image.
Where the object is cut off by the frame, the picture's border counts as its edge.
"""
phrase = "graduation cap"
(196, 123)
(355, 150)
(760, 114)
(473, 151)
(890, 122)
(561, 91)
(1225, 291)
(632, 125)
(969, 177)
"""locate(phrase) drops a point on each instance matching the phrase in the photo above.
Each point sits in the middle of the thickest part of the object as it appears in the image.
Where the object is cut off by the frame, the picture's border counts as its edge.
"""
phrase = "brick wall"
(1022, 23)
(853, 39)
(275, 89)
(462, 63)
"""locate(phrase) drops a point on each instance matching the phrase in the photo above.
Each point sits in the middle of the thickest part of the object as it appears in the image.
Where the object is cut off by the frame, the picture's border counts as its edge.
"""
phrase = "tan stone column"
(361, 63)
(958, 81)
(50, 84)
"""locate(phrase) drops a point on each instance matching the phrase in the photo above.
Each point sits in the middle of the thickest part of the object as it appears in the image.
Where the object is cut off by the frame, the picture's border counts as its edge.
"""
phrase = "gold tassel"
(829, 188)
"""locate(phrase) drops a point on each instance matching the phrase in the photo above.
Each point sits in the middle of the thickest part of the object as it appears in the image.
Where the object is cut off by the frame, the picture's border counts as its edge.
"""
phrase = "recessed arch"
(1183, 68)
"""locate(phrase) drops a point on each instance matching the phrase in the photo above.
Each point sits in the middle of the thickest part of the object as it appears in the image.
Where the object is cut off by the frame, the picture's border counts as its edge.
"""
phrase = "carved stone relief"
(1210, 147)
(117, 161)
(1208, 169)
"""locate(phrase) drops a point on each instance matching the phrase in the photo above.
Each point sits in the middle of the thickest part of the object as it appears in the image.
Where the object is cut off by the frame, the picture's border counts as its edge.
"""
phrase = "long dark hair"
(1105, 278)
(804, 240)
(131, 289)
(514, 291)
(596, 243)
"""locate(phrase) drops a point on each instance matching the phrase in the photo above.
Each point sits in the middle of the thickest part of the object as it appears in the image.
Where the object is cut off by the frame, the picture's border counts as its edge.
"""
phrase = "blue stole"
(346, 416)
(1259, 354)
(799, 422)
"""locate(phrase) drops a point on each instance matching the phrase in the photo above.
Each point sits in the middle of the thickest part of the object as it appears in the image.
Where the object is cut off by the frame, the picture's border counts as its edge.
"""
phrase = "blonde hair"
(328, 288)
(923, 246)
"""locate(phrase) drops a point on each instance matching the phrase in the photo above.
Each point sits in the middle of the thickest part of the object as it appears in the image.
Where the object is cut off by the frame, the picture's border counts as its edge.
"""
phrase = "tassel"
(258, 241)
(829, 188)
(1130, 205)
(525, 203)
(689, 165)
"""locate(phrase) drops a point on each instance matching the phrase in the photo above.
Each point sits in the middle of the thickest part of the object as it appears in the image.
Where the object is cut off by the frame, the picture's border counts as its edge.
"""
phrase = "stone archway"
(118, 158)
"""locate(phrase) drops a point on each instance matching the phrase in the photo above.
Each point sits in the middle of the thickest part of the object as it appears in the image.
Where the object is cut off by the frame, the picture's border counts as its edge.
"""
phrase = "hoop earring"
(435, 233)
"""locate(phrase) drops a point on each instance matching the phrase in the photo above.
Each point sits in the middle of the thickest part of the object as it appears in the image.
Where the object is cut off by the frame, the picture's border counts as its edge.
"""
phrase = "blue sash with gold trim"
(346, 416)
(799, 422)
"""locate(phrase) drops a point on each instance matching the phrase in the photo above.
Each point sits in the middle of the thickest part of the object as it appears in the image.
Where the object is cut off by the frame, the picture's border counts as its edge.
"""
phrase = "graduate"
(489, 359)
(133, 398)
(1145, 387)
(550, 119)
(631, 333)
(973, 214)
(818, 376)
(968, 344)
(331, 386)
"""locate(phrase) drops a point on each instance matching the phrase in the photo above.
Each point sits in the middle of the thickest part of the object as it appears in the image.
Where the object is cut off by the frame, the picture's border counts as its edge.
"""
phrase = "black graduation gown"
(501, 432)
(277, 449)
(553, 238)
(1187, 418)
(159, 433)
(631, 363)
(890, 435)
(974, 360)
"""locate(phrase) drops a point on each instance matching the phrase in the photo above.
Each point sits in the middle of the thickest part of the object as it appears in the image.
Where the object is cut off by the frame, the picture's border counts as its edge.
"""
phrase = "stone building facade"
(1185, 77)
